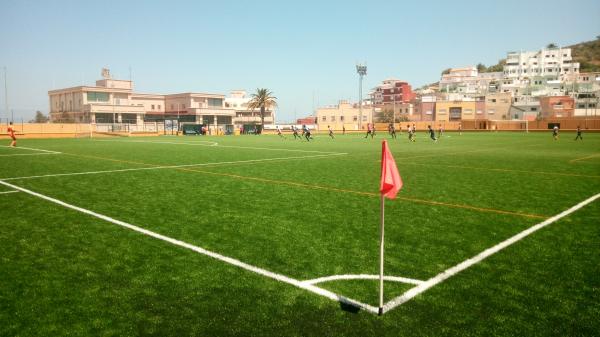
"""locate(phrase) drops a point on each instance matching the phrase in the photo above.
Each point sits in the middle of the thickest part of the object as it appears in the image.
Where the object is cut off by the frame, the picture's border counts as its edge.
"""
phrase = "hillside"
(587, 54)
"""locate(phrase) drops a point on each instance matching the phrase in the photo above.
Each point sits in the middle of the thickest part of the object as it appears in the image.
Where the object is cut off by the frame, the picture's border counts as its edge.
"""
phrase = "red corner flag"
(391, 182)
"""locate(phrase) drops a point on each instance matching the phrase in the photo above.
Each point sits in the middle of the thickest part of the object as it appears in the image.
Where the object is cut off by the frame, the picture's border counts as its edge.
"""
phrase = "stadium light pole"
(5, 93)
(361, 69)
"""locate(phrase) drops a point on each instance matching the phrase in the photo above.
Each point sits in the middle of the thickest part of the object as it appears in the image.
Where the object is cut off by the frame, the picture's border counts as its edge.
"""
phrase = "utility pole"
(361, 69)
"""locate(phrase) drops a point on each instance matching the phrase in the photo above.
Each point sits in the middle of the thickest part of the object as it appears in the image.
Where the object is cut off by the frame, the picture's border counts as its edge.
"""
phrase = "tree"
(481, 68)
(262, 99)
(39, 118)
(551, 46)
(446, 71)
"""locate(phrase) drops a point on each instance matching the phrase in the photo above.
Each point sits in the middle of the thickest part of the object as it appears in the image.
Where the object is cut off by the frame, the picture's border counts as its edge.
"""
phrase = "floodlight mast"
(361, 69)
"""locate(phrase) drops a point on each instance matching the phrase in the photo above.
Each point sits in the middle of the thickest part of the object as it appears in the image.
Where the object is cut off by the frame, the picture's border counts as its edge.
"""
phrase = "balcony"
(212, 111)
(110, 108)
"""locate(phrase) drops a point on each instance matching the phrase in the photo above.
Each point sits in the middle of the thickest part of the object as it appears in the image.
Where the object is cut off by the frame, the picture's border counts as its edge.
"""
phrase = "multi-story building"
(453, 111)
(557, 106)
(555, 63)
(345, 115)
(497, 106)
(238, 100)
(113, 101)
(392, 91)
(424, 108)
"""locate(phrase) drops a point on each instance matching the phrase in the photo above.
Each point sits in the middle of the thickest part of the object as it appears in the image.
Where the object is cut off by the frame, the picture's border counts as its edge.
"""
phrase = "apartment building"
(555, 63)
(238, 100)
(345, 115)
(392, 91)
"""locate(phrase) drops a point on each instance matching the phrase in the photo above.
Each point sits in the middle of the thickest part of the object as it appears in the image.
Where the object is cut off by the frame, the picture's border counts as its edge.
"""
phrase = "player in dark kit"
(431, 133)
(393, 131)
(370, 131)
(295, 130)
(578, 133)
(306, 133)
(555, 132)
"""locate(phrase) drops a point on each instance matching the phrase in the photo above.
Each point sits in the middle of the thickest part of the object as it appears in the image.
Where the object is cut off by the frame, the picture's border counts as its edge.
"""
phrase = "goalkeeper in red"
(11, 134)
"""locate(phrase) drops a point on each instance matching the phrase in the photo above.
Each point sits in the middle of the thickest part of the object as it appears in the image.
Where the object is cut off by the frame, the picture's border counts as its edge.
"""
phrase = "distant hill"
(586, 53)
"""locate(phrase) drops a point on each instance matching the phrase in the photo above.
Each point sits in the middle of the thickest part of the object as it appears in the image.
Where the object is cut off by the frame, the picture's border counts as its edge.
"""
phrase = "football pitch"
(492, 234)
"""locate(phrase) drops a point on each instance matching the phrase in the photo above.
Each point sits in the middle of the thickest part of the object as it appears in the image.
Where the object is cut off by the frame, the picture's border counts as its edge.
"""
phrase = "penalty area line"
(263, 272)
(446, 274)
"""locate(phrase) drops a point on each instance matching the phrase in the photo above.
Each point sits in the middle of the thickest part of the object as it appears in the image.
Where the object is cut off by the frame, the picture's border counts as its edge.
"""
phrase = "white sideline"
(32, 149)
(217, 144)
(281, 278)
(198, 143)
(7, 192)
(479, 257)
(169, 167)
(27, 154)
(363, 277)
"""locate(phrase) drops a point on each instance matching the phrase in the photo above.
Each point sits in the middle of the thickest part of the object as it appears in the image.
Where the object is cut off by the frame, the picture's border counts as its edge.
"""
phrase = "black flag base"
(380, 311)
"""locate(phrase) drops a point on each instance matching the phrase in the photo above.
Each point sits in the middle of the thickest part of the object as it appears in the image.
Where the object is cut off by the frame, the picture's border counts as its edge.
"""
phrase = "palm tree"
(263, 99)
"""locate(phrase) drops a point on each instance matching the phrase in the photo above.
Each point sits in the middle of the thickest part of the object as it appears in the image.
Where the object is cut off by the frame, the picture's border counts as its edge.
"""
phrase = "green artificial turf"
(304, 210)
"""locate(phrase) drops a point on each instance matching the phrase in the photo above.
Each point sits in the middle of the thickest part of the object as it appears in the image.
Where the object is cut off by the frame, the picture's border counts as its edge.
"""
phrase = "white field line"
(7, 192)
(217, 144)
(198, 143)
(281, 278)
(171, 166)
(480, 257)
(363, 277)
(27, 154)
(32, 149)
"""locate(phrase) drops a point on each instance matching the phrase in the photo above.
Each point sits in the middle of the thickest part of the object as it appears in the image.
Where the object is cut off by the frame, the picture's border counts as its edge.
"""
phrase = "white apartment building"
(238, 100)
(555, 63)
(468, 80)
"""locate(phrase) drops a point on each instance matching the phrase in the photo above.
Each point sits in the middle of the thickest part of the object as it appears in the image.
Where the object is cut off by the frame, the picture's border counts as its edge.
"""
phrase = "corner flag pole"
(391, 183)
(381, 256)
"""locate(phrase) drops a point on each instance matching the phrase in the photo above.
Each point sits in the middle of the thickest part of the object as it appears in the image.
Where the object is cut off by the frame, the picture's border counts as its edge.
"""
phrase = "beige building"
(497, 105)
(344, 115)
(113, 101)
(454, 111)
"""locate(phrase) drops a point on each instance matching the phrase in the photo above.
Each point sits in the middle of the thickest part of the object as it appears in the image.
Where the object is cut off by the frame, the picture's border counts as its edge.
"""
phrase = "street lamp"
(361, 69)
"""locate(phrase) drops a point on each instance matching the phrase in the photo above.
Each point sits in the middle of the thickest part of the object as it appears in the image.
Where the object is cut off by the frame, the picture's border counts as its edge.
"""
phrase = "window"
(533, 108)
(159, 107)
(355, 118)
(152, 106)
(324, 119)
(341, 118)
(214, 102)
(97, 96)
(364, 118)
(333, 118)
(580, 106)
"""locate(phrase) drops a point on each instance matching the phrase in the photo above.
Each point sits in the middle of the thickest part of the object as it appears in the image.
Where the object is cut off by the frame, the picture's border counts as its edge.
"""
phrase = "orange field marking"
(505, 170)
(584, 158)
(328, 188)
(370, 194)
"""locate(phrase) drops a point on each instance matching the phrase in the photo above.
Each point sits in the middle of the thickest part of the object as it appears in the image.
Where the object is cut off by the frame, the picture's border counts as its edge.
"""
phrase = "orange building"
(557, 106)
